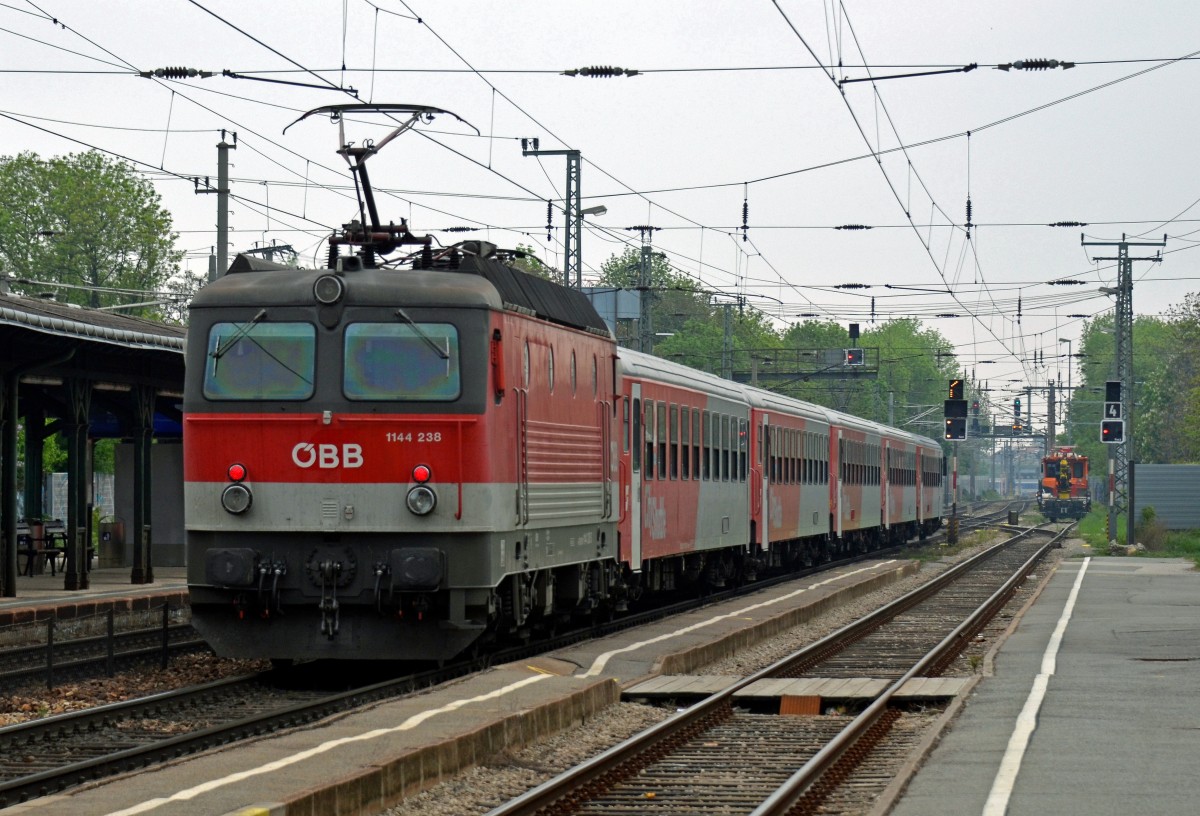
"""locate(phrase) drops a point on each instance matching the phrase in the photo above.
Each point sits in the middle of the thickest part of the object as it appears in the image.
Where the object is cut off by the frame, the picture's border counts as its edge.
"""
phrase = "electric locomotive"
(1063, 488)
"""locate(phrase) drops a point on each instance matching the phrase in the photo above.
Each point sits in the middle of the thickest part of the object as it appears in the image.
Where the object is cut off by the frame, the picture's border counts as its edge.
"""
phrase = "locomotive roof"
(477, 281)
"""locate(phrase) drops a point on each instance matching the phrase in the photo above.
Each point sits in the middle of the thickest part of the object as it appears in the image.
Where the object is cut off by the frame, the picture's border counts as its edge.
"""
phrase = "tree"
(87, 221)
(671, 298)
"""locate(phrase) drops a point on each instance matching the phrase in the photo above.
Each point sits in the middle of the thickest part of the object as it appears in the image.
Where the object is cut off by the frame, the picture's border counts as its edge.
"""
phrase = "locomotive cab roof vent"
(349, 263)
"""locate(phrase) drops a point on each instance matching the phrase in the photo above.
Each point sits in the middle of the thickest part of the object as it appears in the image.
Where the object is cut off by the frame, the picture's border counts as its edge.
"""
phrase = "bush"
(1151, 533)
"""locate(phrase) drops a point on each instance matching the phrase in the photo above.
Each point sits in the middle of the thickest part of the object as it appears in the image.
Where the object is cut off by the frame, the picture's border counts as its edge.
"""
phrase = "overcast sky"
(680, 146)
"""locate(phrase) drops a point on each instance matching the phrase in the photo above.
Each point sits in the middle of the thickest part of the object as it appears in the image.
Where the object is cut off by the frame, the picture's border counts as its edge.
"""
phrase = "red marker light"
(236, 472)
(422, 474)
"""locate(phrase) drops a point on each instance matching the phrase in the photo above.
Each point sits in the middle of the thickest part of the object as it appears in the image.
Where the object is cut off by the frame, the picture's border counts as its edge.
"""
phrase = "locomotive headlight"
(237, 498)
(421, 500)
(329, 289)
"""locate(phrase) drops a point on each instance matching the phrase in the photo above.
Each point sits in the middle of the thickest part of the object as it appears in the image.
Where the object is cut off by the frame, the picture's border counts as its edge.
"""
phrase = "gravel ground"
(32, 702)
(510, 774)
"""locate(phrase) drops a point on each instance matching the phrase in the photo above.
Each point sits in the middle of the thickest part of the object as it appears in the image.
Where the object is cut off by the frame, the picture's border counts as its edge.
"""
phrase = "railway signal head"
(956, 428)
(956, 389)
(1112, 431)
(854, 357)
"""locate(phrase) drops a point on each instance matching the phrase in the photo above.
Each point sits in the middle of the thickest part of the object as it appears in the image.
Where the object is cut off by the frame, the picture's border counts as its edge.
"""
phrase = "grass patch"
(1151, 533)
(935, 552)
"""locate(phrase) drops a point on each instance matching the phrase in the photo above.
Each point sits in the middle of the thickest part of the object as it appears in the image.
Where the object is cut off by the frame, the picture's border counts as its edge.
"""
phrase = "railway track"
(47, 756)
(717, 757)
(57, 661)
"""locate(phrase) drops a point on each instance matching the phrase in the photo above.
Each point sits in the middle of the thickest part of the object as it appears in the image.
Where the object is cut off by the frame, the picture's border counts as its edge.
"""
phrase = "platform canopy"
(84, 373)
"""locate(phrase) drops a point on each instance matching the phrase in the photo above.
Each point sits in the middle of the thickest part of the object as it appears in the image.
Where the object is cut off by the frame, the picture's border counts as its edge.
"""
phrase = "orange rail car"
(1063, 491)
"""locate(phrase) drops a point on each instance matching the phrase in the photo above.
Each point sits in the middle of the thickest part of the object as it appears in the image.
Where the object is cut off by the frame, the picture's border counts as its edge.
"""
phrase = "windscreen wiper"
(444, 354)
(243, 330)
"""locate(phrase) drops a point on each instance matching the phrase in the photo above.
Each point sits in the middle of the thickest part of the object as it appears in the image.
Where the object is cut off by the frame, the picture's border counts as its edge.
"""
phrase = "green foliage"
(533, 265)
(86, 221)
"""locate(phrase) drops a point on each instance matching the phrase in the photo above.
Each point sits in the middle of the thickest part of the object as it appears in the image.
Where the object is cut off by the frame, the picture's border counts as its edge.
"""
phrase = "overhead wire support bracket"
(962, 70)
(234, 75)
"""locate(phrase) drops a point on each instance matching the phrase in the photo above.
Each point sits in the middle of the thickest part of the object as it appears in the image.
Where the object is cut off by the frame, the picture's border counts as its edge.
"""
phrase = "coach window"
(595, 377)
(771, 454)
(661, 437)
(430, 353)
(550, 367)
(525, 366)
(573, 383)
(625, 425)
(695, 443)
(260, 361)
(637, 433)
(707, 446)
(674, 451)
(685, 442)
(726, 446)
(648, 405)
(743, 448)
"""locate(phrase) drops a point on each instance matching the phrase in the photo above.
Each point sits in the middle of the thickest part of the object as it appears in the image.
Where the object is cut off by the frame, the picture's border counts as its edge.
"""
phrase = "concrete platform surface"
(1094, 706)
(40, 597)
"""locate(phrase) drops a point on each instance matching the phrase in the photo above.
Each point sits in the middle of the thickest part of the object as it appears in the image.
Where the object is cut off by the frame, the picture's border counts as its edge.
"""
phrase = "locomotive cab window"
(402, 361)
(260, 361)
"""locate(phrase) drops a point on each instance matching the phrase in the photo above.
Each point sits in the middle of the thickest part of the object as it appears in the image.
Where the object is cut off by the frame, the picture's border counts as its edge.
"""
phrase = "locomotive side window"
(260, 361)
(573, 383)
(405, 361)
(550, 366)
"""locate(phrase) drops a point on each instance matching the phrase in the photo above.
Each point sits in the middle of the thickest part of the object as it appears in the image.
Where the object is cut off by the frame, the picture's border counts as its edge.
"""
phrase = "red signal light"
(422, 474)
(236, 472)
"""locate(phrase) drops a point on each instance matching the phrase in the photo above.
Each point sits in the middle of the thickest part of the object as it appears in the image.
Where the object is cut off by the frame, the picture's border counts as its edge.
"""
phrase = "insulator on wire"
(1068, 224)
(1036, 65)
(600, 71)
(549, 218)
(745, 217)
(854, 227)
(176, 72)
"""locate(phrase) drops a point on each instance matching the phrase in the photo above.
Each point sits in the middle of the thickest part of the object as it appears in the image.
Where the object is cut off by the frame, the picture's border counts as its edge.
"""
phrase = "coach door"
(635, 484)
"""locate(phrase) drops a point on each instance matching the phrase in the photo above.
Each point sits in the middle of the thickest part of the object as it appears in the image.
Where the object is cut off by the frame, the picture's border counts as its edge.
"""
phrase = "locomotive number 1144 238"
(411, 436)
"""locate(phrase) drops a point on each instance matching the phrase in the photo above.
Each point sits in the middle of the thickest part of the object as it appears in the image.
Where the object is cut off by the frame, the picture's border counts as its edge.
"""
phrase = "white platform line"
(1010, 765)
(329, 745)
(601, 661)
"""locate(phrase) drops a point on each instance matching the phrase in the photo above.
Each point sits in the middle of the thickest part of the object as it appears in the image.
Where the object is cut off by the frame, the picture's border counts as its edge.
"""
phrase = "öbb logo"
(348, 455)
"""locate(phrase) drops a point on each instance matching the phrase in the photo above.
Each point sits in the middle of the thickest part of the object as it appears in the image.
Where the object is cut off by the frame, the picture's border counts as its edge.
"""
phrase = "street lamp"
(1070, 365)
